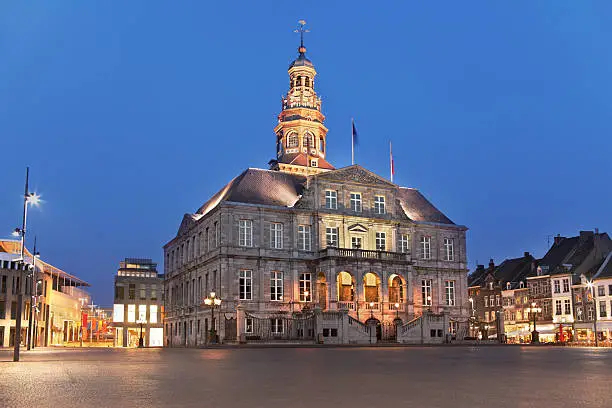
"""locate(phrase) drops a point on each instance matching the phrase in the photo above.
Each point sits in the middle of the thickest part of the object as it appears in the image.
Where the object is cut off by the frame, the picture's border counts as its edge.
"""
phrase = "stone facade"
(293, 238)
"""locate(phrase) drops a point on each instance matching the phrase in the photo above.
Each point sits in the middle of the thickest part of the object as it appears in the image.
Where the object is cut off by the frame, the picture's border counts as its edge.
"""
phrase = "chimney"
(558, 239)
(491, 264)
(479, 267)
(585, 235)
(527, 254)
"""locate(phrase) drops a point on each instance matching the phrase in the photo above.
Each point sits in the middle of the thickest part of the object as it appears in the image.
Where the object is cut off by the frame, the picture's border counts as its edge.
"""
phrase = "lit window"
(379, 204)
(381, 241)
(153, 314)
(245, 233)
(404, 243)
(305, 287)
(304, 237)
(449, 250)
(276, 235)
(426, 292)
(142, 312)
(331, 199)
(246, 285)
(356, 202)
(331, 234)
(425, 247)
(276, 286)
(449, 296)
(292, 140)
(118, 313)
(131, 313)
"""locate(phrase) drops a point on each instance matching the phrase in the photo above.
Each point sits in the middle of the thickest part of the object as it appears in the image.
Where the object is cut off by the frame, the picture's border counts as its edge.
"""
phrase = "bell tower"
(301, 136)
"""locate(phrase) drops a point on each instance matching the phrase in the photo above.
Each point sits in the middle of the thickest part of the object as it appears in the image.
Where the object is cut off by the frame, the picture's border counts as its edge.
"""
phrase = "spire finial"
(300, 29)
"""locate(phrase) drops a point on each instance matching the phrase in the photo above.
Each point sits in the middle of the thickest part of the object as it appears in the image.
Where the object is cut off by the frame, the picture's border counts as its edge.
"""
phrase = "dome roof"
(301, 60)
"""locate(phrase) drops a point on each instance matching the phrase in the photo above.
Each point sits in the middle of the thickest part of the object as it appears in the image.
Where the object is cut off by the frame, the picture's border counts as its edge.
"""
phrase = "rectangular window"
(356, 242)
(601, 291)
(216, 225)
(426, 292)
(557, 286)
(381, 241)
(602, 309)
(558, 307)
(276, 326)
(497, 300)
(404, 243)
(449, 295)
(304, 238)
(246, 285)
(276, 235)
(118, 313)
(331, 236)
(305, 287)
(131, 313)
(276, 286)
(566, 286)
(331, 199)
(13, 310)
(153, 314)
(449, 250)
(3, 285)
(119, 292)
(142, 312)
(248, 325)
(486, 300)
(379, 204)
(609, 290)
(143, 293)
(356, 202)
(567, 306)
(425, 247)
(245, 233)
(132, 291)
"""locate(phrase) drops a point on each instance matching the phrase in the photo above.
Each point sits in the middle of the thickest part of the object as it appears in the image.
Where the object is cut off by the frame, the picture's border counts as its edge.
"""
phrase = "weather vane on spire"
(301, 30)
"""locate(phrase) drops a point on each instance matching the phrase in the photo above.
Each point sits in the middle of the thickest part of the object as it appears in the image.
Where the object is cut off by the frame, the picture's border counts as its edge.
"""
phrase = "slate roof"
(511, 270)
(419, 209)
(258, 186)
(605, 271)
(277, 188)
(570, 251)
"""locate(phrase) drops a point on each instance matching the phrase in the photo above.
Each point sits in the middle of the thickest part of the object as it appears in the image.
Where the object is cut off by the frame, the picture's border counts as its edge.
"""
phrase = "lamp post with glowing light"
(28, 199)
(141, 322)
(534, 310)
(212, 301)
(33, 298)
(591, 286)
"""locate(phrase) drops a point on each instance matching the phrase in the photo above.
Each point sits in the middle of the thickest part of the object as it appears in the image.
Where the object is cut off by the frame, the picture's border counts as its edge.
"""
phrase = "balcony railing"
(363, 254)
(363, 305)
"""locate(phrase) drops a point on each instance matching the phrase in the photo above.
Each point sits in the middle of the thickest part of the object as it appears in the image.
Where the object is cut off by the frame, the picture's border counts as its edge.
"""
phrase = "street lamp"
(372, 310)
(141, 322)
(33, 298)
(397, 310)
(534, 312)
(591, 287)
(29, 199)
(212, 301)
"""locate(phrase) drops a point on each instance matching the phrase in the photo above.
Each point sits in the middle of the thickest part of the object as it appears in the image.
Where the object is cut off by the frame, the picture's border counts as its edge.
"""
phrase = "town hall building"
(276, 245)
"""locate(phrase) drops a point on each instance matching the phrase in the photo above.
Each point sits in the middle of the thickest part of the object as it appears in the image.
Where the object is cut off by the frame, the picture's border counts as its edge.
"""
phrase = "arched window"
(308, 140)
(322, 145)
(307, 81)
(292, 140)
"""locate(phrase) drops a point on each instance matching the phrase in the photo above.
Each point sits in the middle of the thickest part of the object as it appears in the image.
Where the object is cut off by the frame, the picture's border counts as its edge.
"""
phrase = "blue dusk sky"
(131, 114)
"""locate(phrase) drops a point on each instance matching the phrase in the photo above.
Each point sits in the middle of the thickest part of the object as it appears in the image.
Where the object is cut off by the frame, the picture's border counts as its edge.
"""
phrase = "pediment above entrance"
(356, 174)
(357, 228)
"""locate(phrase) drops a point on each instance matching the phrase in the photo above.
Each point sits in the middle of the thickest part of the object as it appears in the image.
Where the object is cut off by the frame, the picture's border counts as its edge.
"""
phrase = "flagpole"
(391, 160)
(352, 142)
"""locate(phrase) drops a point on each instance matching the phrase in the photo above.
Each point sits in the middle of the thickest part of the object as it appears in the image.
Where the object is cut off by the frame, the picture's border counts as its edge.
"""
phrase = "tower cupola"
(301, 136)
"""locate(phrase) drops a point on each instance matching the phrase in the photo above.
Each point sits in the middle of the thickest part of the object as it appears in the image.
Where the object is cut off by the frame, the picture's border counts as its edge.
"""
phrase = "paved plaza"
(485, 376)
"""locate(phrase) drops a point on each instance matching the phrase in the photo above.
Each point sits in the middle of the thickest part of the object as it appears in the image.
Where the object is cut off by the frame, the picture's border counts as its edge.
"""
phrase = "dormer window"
(314, 163)
(490, 285)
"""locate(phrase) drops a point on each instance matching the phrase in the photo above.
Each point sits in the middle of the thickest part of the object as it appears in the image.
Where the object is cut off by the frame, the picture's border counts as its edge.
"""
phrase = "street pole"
(32, 297)
(594, 314)
(19, 310)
